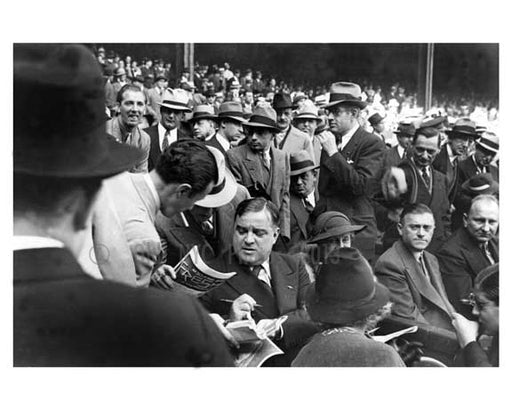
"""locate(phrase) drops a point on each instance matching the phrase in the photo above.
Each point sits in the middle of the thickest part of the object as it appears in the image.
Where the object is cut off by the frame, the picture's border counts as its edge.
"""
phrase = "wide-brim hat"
(480, 184)
(301, 162)
(489, 141)
(64, 82)
(232, 110)
(331, 224)
(225, 188)
(203, 112)
(375, 118)
(343, 92)
(346, 289)
(308, 111)
(282, 101)
(263, 117)
(406, 129)
(175, 100)
(463, 129)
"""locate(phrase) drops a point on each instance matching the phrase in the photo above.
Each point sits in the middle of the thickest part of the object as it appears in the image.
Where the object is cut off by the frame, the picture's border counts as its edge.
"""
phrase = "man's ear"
(275, 235)
(399, 228)
(183, 190)
(465, 220)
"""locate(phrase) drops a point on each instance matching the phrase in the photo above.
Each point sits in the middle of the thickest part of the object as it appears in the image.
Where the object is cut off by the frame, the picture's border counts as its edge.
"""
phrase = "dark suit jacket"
(154, 150)
(460, 260)
(214, 142)
(467, 169)
(442, 164)
(247, 169)
(289, 283)
(413, 296)
(346, 181)
(62, 317)
(299, 218)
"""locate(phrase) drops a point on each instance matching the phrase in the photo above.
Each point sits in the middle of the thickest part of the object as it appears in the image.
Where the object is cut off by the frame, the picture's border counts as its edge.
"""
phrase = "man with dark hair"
(125, 127)
(268, 284)
(185, 173)
(412, 274)
(416, 181)
(471, 248)
(62, 317)
(349, 162)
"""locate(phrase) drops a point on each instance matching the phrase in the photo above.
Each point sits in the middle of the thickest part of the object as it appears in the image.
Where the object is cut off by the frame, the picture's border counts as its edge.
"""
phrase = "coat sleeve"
(394, 278)
(145, 144)
(234, 166)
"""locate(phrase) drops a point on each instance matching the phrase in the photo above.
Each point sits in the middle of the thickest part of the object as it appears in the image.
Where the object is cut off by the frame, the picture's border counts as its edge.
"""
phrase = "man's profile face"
(459, 145)
(284, 117)
(483, 157)
(416, 231)
(379, 127)
(340, 120)
(307, 125)
(172, 201)
(404, 140)
(424, 151)
(131, 108)
(488, 314)
(171, 119)
(203, 128)
(232, 130)
(254, 236)
(303, 184)
(259, 139)
(482, 220)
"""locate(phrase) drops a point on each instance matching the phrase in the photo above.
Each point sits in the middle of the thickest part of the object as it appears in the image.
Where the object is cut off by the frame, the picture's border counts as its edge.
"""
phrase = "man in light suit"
(62, 317)
(349, 164)
(173, 107)
(267, 284)
(412, 274)
(261, 168)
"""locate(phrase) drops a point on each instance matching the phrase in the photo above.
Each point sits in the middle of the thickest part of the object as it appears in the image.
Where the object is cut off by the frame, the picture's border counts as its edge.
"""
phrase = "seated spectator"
(486, 307)
(346, 301)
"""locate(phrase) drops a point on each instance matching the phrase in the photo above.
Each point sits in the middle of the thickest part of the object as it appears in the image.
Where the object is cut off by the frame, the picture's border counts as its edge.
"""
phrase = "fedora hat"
(406, 130)
(175, 100)
(308, 111)
(299, 96)
(301, 162)
(331, 224)
(225, 188)
(232, 110)
(463, 128)
(489, 141)
(63, 134)
(203, 112)
(480, 184)
(343, 92)
(263, 116)
(346, 289)
(282, 101)
(374, 119)
(160, 77)
(118, 72)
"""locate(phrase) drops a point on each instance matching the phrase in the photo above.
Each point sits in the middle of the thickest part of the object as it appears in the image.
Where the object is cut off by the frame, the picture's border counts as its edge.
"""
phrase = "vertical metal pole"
(191, 61)
(429, 76)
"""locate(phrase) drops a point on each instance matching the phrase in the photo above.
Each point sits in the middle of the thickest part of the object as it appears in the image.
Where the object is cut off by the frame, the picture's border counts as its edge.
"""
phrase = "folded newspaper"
(195, 277)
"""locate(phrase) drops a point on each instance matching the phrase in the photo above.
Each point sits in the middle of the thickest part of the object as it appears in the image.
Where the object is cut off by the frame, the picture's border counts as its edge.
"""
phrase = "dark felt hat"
(301, 162)
(480, 184)
(264, 117)
(282, 101)
(63, 133)
(375, 119)
(331, 224)
(406, 130)
(346, 289)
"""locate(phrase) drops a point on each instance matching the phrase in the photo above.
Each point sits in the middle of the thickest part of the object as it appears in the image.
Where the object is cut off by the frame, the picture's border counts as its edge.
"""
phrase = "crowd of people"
(342, 211)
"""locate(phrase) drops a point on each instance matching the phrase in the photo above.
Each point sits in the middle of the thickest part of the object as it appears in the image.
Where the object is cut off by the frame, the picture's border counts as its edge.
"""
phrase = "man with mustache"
(125, 127)
(470, 249)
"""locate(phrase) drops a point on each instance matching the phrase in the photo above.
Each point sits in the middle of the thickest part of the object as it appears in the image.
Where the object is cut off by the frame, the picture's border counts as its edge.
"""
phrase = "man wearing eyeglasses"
(470, 249)
(416, 181)
(412, 274)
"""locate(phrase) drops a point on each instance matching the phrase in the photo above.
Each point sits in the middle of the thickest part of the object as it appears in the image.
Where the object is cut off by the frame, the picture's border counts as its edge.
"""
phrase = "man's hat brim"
(175, 107)
(220, 195)
(338, 231)
(358, 103)
(260, 125)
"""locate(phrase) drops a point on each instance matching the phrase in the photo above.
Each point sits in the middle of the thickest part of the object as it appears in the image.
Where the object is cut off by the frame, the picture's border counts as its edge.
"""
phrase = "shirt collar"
(400, 150)
(223, 141)
(153, 190)
(34, 242)
(451, 155)
(348, 136)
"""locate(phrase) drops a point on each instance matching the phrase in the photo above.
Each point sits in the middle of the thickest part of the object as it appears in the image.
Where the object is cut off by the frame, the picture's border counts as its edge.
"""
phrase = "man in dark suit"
(261, 168)
(486, 149)
(349, 162)
(172, 110)
(412, 274)
(267, 284)
(62, 317)
(230, 119)
(447, 160)
(470, 249)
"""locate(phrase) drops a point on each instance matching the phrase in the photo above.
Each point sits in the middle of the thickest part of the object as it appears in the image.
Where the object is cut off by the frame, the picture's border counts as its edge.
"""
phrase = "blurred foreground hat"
(263, 116)
(332, 224)
(63, 134)
(118, 72)
(408, 130)
(346, 289)
(480, 184)
(301, 162)
(343, 92)
(175, 100)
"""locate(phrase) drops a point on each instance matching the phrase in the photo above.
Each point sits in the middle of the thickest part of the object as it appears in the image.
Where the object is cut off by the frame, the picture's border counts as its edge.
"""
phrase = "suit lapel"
(253, 166)
(300, 213)
(352, 146)
(284, 284)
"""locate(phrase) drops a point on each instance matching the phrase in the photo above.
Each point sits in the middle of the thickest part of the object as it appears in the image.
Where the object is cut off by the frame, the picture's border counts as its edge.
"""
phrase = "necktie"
(308, 205)
(259, 272)
(266, 159)
(165, 142)
(424, 267)
(487, 253)
(207, 228)
(425, 176)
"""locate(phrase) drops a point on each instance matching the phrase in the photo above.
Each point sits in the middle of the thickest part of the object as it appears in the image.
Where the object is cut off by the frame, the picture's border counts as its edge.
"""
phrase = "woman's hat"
(331, 224)
(263, 116)
(346, 289)
(225, 188)
(343, 92)
(63, 134)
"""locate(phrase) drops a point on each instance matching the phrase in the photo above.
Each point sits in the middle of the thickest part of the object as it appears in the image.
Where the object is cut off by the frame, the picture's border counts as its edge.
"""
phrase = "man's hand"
(467, 330)
(242, 307)
(328, 142)
(163, 277)
(219, 321)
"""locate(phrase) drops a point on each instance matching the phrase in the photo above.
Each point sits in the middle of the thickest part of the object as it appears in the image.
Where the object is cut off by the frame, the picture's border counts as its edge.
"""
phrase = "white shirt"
(347, 137)
(311, 198)
(34, 242)
(173, 135)
(401, 150)
(153, 190)
(223, 141)
(264, 273)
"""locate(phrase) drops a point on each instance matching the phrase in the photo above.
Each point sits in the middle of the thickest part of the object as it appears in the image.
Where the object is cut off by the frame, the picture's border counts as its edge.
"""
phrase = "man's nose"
(249, 237)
